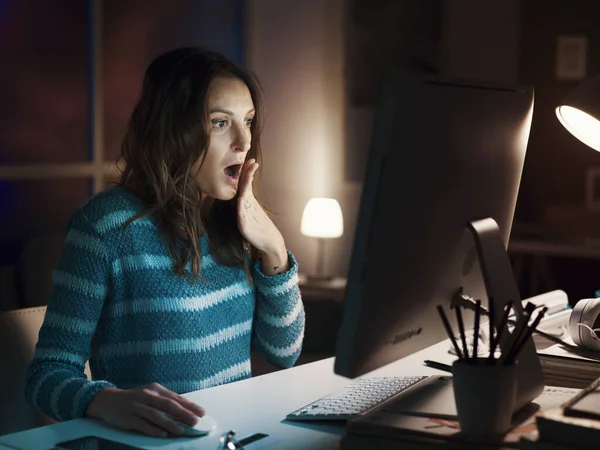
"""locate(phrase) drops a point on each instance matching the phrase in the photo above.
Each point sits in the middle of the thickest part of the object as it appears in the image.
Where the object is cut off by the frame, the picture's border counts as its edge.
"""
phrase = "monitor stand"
(435, 397)
(501, 287)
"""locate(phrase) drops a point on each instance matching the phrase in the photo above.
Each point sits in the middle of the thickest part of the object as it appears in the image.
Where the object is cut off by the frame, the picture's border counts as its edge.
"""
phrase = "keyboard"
(356, 398)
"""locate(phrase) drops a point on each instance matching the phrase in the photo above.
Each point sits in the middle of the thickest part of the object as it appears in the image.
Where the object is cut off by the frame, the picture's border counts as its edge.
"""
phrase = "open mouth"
(233, 171)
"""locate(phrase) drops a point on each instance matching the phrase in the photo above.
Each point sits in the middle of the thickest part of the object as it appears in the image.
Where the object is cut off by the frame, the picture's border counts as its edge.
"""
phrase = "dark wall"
(555, 166)
(45, 120)
(380, 36)
(552, 192)
(45, 87)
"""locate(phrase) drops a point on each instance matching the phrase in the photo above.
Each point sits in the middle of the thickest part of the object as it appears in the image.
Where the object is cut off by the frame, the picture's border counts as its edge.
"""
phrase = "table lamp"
(322, 218)
(580, 112)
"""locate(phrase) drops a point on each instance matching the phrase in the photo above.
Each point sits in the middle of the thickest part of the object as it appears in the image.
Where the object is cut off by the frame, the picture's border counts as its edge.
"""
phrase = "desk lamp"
(322, 218)
(580, 112)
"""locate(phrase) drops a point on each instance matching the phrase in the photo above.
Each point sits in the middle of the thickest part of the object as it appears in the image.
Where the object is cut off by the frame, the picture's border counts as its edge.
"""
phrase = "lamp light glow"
(583, 126)
(579, 113)
(322, 218)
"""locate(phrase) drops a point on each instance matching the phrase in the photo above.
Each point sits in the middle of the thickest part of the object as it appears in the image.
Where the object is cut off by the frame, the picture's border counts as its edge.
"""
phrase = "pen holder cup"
(485, 396)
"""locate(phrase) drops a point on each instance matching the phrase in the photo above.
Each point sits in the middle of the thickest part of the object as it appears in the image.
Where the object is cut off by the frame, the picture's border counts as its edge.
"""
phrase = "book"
(538, 444)
(388, 428)
(367, 442)
(554, 426)
(569, 365)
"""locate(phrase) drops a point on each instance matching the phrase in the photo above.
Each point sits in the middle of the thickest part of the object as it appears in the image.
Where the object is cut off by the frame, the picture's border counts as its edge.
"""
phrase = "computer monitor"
(445, 154)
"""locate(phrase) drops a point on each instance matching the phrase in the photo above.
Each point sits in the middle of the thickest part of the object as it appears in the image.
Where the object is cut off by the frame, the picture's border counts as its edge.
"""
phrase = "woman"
(166, 280)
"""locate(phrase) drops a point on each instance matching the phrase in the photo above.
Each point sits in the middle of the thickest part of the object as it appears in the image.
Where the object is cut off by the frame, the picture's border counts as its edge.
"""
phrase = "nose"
(242, 139)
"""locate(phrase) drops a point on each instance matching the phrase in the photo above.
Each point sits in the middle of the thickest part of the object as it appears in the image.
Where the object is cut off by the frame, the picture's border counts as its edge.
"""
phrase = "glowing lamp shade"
(580, 112)
(322, 218)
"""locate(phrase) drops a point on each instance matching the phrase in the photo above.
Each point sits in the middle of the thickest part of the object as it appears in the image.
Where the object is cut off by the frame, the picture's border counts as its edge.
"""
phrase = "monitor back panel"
(443, 152)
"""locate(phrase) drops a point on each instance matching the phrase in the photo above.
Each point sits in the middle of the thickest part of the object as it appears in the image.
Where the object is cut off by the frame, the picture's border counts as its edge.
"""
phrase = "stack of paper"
(569, 367)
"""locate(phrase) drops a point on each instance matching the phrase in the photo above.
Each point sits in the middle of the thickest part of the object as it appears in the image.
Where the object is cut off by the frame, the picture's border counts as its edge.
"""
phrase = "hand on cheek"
(256, 226)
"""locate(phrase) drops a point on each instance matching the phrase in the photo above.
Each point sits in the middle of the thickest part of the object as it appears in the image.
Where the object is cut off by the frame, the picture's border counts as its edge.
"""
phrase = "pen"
(492, 324)
(461, 329)
(438, 365)
(522, 322)
(476, 329)
(525, 335)
(449, 330)
(503, 324)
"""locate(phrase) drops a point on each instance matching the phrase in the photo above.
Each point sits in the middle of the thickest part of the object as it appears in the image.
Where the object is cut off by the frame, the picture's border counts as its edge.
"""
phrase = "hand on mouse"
(144, 409)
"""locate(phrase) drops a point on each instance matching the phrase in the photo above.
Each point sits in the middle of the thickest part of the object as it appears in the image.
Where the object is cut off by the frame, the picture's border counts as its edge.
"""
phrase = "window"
(71, 73)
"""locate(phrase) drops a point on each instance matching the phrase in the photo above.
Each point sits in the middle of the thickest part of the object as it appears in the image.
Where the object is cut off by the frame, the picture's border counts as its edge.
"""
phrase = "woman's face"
(231, 113)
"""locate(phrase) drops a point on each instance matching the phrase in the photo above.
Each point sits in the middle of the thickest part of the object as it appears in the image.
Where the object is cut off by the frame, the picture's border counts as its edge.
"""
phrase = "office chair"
(18, 335)
(38, 259)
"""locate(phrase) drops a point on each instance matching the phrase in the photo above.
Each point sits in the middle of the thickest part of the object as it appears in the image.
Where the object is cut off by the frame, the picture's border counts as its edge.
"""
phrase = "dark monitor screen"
(443, 153)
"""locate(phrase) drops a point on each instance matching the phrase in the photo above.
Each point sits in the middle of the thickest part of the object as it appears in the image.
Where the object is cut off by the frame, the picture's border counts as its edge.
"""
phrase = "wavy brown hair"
(167, 134)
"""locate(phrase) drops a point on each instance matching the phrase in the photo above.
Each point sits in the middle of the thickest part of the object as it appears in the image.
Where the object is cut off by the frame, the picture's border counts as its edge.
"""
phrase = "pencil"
(461, 329)
(522, 322)
(438, 365)
(569, 404)
(491, 318)
(526, 335)
(449, 330)
(476, 328)
(530, 308)
(501, 326)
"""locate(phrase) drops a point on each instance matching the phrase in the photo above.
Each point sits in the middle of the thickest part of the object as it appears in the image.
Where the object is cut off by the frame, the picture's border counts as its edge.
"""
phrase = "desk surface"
(256, 405)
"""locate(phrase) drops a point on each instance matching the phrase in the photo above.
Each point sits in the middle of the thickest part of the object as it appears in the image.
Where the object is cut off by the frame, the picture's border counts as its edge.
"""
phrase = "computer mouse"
(204, 426)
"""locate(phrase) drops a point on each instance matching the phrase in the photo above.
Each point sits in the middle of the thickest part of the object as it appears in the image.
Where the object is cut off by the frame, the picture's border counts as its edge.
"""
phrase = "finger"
(158, 419)
(188, 404)
(254, 168)
(136, 423)
(246, 179)
(244, 184)
(173, 409)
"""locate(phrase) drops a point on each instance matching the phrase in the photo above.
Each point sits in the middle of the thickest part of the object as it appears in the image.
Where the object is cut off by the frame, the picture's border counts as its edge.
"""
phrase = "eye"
(220, 123)
(249, 122)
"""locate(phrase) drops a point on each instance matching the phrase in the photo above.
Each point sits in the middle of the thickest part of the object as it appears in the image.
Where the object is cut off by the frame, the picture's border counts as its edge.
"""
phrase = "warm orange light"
(583, 126)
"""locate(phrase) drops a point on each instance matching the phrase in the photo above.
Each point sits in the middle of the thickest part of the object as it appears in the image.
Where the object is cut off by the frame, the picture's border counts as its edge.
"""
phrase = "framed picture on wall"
(571, 57)
(592, 188)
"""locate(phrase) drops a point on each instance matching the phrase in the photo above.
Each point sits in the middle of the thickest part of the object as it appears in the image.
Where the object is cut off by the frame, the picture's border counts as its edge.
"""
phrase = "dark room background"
(71, 70)
(71, 73)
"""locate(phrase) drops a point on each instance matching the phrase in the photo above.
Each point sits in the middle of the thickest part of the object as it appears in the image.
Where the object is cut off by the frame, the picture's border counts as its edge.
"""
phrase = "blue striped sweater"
(116, 302)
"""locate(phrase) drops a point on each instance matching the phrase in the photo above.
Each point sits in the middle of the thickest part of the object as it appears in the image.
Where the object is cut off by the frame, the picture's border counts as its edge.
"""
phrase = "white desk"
(256, 405)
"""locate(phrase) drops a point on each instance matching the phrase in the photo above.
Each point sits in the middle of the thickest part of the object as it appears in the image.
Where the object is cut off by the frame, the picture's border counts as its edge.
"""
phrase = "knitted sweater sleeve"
(279, 321)
(56, 384)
